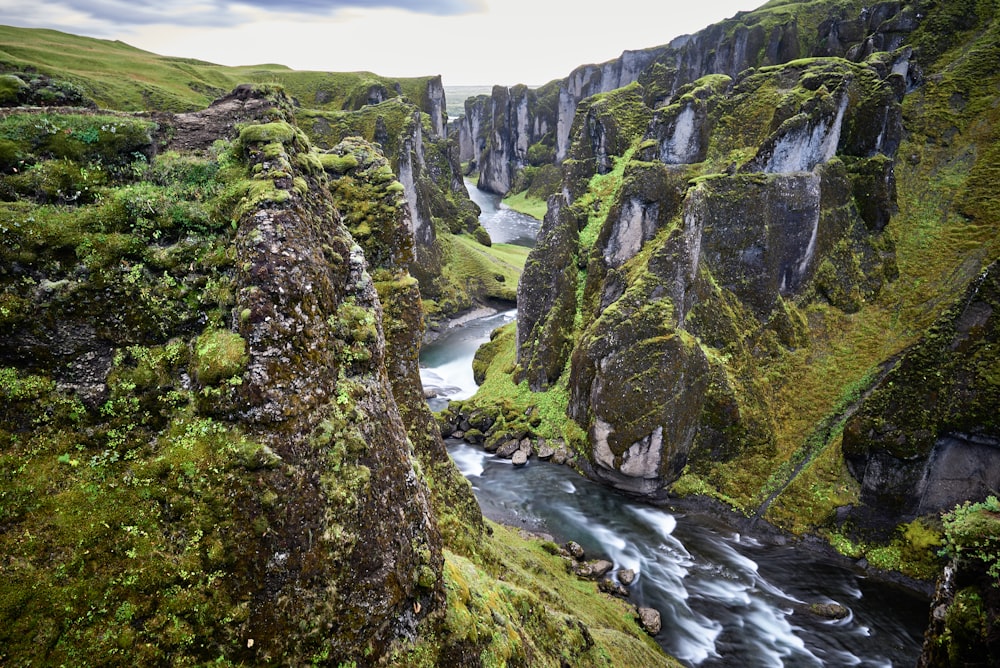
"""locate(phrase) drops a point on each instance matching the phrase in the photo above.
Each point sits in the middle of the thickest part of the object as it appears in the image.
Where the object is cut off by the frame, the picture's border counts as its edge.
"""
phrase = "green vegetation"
(526, 204)
(516, 407)
(514, 602)
(118, 76)
(972, 534)
(537, 611)
(471, 268)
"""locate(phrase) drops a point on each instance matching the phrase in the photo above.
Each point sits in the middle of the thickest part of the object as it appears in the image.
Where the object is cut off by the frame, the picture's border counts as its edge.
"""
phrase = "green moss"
(115, 142)
(218, 355)
(539, 614)
(972, 532)
(280, 132)
(338, 164)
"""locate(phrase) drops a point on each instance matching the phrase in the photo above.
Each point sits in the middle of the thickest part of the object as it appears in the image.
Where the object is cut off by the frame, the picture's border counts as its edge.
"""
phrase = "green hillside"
(118, 76)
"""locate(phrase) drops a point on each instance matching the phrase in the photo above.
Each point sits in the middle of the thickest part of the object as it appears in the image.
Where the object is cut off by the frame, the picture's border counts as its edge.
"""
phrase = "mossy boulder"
(218, 355)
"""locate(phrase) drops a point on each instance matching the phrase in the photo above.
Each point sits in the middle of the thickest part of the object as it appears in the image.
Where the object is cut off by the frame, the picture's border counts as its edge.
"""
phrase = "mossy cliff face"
(776, 33)
(429, 173)
(927, 437)
(363, 186)
(316, 375)
(691, 271)
(514, 124)
(202, 455)
(546, 298)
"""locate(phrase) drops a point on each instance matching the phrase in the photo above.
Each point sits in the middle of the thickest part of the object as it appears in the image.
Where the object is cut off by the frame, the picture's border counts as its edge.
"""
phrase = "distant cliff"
(498, 133)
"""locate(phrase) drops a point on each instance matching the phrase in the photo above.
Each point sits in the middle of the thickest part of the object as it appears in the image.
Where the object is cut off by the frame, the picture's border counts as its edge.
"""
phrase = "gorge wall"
(214, 446)
(753, 260)
(767, 275)
(499, 132)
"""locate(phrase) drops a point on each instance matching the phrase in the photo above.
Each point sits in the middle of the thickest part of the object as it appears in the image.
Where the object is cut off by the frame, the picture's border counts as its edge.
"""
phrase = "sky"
(466, 41)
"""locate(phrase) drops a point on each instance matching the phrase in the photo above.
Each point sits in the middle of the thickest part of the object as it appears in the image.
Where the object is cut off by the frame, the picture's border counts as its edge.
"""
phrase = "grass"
(543, 412)
(494, 270)
(517, 603)
(119, 76)
(530, 206)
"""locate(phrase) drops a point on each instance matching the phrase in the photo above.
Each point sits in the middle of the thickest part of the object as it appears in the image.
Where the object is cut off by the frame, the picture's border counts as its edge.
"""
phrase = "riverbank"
(717, 579)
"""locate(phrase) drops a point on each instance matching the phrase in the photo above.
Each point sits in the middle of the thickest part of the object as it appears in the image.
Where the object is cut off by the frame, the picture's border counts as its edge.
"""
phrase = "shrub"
(972, 535)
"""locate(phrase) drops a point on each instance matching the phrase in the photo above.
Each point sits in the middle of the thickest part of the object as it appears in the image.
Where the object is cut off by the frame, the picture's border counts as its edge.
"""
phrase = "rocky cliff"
(736, 288)
(776, 33)
(214, 446)
(214, 479)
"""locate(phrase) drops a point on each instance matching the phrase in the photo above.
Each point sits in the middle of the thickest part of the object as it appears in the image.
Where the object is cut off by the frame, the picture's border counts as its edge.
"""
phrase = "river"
(726, 599)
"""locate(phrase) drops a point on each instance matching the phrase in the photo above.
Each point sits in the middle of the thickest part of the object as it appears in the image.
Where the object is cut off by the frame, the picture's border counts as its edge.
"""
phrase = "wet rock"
(545, 451)
(609, 586)
(626, 576)
(508, 449)
(520, 458)
(594, 569)
(575, 550)
(829, 610)
(650, 621)
(561, 456)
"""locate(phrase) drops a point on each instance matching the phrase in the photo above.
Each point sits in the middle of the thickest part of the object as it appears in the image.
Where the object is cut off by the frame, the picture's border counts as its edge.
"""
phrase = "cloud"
(219, 13)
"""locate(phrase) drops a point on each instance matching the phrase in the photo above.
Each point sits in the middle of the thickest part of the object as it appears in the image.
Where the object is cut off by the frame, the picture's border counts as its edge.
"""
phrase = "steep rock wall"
(686, 279)
(927, 437)
(237, 380)
(428, 168)
(756, 39)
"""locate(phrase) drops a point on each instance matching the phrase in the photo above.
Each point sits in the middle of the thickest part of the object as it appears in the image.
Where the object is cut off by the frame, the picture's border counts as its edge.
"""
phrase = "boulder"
(520, 458)
(609, 586)
(829, 610)
(545, 451)
(626, 576)
(649, 620)
(508, 449)
(594, 569)
(575, 550)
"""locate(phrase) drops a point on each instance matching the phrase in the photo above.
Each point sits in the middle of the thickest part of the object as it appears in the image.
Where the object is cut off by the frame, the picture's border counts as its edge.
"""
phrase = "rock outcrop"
(748, 40)
(928, 436)
(225, 384)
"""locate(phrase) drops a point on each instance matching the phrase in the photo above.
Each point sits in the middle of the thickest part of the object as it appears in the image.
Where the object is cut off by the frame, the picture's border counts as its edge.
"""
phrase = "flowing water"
(505, 225)
(726, 599)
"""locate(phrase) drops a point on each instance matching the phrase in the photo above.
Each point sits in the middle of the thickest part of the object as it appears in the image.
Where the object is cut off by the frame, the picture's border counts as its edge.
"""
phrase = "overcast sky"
(466, 41)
